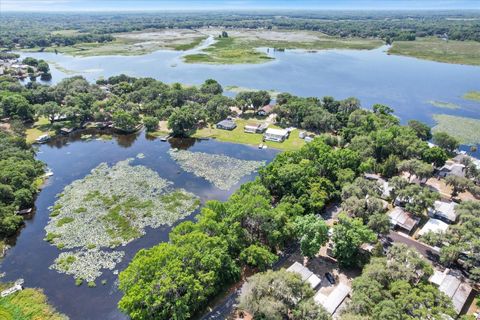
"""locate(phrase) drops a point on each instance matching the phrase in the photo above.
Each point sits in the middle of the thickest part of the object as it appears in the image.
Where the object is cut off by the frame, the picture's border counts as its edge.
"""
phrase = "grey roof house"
(226, 124)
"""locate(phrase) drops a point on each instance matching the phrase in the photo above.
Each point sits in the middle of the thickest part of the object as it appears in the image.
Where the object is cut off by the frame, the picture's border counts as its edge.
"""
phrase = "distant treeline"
(38, 30)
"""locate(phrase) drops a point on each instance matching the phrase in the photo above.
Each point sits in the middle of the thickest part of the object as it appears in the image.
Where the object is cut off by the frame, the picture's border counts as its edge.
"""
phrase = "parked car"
(330, 278)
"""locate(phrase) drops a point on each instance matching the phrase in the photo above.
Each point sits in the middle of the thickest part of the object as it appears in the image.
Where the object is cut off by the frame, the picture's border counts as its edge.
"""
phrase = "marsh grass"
(28, 304)
(466, 130)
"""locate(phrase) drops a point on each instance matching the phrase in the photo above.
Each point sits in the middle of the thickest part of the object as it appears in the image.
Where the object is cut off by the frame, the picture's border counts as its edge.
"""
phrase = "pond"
(72, 158)
(408, 85)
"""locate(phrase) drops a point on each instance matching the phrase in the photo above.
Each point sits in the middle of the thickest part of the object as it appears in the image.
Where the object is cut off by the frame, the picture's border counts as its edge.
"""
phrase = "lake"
(72, 158)
(406, 84)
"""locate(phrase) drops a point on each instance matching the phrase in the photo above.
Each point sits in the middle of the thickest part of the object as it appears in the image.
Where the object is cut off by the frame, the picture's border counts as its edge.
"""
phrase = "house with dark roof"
(265, 110)
(452, 168)
(226, 124)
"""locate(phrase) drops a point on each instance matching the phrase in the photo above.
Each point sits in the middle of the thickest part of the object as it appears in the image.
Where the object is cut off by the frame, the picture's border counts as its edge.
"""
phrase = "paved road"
(427, 251)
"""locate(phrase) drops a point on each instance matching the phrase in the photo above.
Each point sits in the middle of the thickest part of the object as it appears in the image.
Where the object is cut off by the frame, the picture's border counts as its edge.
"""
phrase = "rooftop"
(277, 132)
(334, 299)
(452, 285)
(400, 217)
(444, 209)
(433, 225)
(305, 274)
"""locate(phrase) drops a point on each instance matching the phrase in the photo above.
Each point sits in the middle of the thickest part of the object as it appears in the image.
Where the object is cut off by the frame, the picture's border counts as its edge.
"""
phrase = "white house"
(277, 135)
(334, 299)
(444, 211)
(433, 225)
(305, 274)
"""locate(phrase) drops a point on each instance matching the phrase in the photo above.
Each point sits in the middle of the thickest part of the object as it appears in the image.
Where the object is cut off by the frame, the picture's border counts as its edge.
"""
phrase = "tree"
(182, 121)
(43, 66)
(17, 106)
(445, 141)
(151, 123)
(124, 120)
(422, 130)
(50, 110)
(258, 257)
(277, 295)
(458, 184)
(416, 167)
(174, 280)
(435, 155)
(397, 287)
(212, 87)
(348, 235)
(312, 233)
(417, 198)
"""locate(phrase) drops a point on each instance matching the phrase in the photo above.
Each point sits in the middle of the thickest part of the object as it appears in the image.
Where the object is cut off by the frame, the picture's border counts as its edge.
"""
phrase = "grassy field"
(238, 136)
(458, 52)
(444, 105)
(41, 127)
(472, 95)
(28, 304)
(242, 49)
(466, 130)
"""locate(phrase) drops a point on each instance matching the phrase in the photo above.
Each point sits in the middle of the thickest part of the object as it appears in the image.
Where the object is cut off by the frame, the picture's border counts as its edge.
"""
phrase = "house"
(450, 283)
(277, 135)
(305, 274)
(386, 189)
(402, 219)
(444, 211)
(43, 138)
(302, 134)
(226, 124)
(332, 301)
(66, 130)
(255, 128)
(452, 168)
(433, 225)
(308, 139)
(265, 110)
(25, 211)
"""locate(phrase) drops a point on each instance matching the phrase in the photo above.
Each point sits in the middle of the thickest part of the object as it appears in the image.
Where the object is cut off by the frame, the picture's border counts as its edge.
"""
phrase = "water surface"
(72, 158)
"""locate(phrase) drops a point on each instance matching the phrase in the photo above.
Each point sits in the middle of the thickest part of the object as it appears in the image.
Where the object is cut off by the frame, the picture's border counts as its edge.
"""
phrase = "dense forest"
(42, 30)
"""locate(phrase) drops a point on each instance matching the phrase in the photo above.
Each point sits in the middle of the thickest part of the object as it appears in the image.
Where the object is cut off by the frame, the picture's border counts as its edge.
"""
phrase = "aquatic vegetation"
(466, 130)
(472, 95)
(443, 104)
(86, 265)
(110, 207)
(222, 171)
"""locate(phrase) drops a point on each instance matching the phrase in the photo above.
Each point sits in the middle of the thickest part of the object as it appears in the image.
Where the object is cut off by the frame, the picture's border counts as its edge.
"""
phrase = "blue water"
(404, 83)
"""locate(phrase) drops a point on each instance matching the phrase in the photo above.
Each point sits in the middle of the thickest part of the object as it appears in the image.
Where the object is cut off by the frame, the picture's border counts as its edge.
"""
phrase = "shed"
(433, 225)
(66, 130)
(277, 135)
(334, 299)
(452, 285)
(25, 211)
(444, 211)
(226, 124)
(305, 274)
(402, 219)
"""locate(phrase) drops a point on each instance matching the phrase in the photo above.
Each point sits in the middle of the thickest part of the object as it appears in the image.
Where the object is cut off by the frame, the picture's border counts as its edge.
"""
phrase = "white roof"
(305, 274)
(334, 299)
(445, 209)
(433, 225)
(276, 132)
(453, 287)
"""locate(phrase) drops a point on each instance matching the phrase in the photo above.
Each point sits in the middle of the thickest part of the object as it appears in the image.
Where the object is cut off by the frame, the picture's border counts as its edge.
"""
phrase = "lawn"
(40, 127)
(459, 52)
(466, 130)
(239, 136)
(28, 304)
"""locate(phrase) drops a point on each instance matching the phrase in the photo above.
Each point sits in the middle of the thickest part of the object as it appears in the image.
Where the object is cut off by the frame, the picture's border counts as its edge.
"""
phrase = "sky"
(185, 5)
